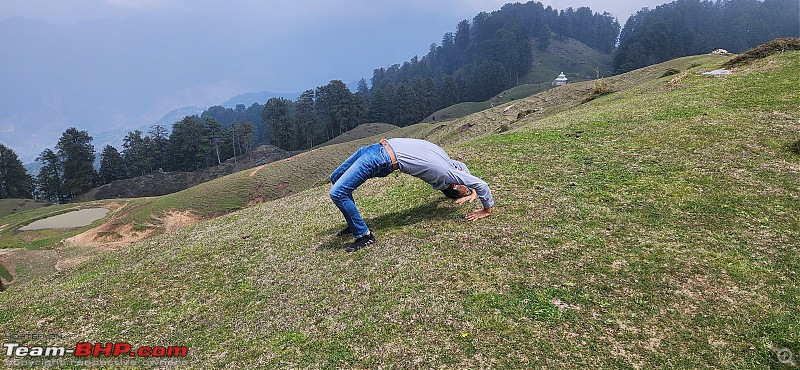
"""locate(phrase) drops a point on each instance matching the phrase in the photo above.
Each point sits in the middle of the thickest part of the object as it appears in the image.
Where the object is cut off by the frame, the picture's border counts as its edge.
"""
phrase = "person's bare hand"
(481, 213)
(469, 198)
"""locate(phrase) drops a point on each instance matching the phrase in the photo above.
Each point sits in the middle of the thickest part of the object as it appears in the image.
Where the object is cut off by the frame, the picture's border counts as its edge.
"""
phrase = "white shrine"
(561, 80)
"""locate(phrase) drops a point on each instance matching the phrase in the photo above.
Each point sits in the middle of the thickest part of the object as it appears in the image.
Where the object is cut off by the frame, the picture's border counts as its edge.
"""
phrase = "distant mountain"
(175, 115)
(102, 74)
(261, 97)
(257, 97)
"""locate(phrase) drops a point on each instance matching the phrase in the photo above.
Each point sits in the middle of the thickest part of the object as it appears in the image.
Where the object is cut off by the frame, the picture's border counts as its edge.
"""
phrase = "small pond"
(69, 220)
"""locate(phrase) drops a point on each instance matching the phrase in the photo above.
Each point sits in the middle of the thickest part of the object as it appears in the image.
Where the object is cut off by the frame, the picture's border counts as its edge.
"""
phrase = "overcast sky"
(121, 64)
(71, 11)
(392, 20)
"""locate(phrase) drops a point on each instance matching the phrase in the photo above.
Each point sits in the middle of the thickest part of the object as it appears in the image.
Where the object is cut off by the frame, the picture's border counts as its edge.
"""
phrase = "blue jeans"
(369, 161)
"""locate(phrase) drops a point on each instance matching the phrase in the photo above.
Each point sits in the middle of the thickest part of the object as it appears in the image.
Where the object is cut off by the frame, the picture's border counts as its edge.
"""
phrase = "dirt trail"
(255, 170)
(8, 267)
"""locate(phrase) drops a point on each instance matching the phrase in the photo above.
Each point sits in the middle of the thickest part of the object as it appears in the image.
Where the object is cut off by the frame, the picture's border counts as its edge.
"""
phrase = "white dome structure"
(561, 80)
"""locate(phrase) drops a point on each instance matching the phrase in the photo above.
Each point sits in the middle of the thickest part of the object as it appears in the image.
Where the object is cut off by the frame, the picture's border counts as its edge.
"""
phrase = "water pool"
(68, 220)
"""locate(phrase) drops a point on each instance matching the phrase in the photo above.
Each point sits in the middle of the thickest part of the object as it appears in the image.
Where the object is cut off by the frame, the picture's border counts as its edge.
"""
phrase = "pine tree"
(14, 179)
(49, 180)
(306, 123)
(448, 95)
(245, 132)
(76, 153)
(160, 136)
(137, 153)
(410, 107)
(276, 117)
(336, 107)
(190, 144)
(214, 130)
(379, 107)
(112, 166)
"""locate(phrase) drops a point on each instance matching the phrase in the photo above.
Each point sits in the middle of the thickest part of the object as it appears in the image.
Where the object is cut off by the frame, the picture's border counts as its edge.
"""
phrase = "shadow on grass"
(426, 212)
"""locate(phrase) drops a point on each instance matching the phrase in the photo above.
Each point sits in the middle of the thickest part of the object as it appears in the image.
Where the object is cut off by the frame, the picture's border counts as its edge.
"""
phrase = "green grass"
(664, 235)
(5, 274)
(9, 206)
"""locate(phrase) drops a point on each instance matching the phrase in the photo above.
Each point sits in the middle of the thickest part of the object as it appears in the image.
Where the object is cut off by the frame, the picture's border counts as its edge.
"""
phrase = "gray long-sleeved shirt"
(428, 162)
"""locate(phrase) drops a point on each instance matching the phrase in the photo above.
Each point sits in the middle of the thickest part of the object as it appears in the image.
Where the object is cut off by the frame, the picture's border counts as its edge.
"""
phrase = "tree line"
(691, 27)
(69, 169)
(316, 116)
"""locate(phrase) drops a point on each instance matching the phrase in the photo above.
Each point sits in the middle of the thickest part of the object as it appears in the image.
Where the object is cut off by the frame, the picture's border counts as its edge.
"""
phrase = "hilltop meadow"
(645, 220)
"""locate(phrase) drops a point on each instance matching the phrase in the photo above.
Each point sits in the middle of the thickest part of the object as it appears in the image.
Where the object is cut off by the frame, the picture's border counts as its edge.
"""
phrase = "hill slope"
(655, 226)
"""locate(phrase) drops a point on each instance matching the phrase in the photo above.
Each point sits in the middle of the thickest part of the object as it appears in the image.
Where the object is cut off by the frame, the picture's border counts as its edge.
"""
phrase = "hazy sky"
(410, 24)
(69, 11)
(120, 64)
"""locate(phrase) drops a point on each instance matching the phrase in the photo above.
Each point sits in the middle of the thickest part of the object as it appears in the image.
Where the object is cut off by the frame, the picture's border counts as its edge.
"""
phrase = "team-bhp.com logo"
(85, 349)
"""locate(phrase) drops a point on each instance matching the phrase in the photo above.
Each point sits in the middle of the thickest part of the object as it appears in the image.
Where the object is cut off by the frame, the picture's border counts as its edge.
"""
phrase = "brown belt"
(389, 150)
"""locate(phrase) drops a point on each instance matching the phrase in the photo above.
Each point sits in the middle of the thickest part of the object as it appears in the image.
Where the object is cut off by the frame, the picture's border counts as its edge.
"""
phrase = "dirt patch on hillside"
(176, 220)
(113, 235)
(108, 237)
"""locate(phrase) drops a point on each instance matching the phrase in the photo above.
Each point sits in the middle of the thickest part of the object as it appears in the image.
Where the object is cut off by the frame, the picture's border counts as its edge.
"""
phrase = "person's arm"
(479, 187)
(479, 190)
(480, 213)
(468, 198)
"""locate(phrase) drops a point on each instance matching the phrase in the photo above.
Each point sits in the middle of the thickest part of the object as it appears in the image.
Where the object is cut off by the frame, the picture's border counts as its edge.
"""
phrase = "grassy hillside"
(655, 226)
(578, 62)
(9, 206)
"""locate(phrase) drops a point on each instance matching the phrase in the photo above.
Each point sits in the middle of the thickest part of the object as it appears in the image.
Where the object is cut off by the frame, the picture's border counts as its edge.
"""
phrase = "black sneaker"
(361, 243)
(345, 231)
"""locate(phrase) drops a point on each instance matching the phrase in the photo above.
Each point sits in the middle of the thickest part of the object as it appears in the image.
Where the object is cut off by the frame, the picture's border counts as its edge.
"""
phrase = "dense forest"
(483, 57)
(690, 27)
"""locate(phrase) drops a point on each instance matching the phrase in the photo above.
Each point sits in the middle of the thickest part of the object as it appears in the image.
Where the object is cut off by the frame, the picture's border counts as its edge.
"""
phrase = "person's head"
(456, 191)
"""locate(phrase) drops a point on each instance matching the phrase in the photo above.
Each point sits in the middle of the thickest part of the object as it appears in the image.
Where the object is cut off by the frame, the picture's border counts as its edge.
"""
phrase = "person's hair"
(456, 191)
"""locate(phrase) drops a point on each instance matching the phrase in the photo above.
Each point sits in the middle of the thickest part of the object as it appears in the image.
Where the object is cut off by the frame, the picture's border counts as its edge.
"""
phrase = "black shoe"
(361, 243)
(345, 231)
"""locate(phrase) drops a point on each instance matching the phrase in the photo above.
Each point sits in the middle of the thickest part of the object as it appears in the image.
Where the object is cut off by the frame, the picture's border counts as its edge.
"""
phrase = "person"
(418, 158)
